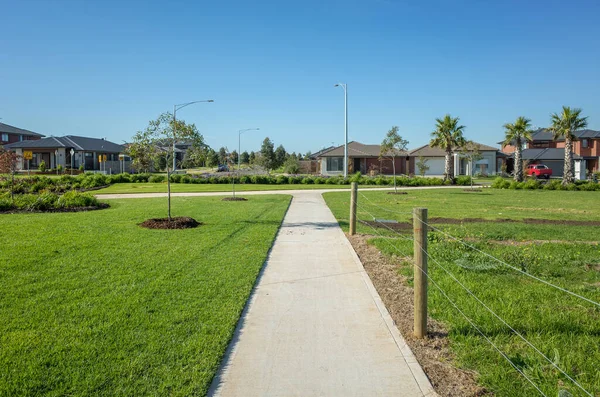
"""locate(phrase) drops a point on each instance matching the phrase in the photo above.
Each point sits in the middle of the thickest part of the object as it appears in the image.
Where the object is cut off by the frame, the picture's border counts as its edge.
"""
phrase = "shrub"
(281, 180)
(501, 183)
(59, 168)
(463, 180)
(552, 185)
(307, 180)
(291, 166)
(320, 180)
(157, 179)
(81, 168)
(119, 178)
(531, 184)
(140, 178)
(175, 178)
(42, 166)
(44, 202)
(75, 199)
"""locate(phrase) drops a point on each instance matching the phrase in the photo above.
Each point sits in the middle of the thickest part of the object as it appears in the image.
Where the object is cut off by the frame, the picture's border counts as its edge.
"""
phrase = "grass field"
(185, 187)
(92, 304)
(564, 328)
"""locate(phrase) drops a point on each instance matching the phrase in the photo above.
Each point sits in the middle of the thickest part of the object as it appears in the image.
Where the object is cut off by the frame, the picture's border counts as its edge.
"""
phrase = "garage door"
(436, 166)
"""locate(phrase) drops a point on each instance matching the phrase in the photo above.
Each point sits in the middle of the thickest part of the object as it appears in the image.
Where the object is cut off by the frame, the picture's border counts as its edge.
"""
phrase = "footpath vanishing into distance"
(314, 324)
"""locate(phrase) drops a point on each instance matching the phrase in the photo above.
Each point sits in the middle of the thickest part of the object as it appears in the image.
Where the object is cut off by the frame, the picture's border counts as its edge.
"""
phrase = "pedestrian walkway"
(315, 326)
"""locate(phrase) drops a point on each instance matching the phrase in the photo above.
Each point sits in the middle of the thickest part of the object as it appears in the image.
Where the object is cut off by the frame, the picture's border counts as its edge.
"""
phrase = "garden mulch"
(181, 222)
(432, 352)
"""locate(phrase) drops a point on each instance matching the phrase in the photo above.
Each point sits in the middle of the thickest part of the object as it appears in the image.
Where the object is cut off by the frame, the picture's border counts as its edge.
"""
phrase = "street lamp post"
(240, 132)
(345, 87)
(72, 153)
(175, 109)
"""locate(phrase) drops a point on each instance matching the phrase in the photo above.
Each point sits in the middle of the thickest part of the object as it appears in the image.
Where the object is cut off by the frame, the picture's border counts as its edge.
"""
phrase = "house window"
(584, 143)
(4, 137)
(335, 164)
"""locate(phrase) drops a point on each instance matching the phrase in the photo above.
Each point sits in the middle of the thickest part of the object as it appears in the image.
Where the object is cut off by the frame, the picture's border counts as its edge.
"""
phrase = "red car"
(539, 171)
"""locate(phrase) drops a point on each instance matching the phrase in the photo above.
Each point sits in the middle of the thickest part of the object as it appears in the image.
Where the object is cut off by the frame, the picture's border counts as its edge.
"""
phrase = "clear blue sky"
(104, 68)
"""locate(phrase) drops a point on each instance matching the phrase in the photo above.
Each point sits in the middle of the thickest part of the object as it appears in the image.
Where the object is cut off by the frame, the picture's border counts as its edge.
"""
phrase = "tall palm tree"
(448, 135)
(518, 133)
(564, 125)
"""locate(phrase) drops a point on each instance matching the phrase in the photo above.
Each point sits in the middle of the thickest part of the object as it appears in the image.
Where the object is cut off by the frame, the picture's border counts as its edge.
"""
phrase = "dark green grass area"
(92, 304)
(187, 188)
(564, 328)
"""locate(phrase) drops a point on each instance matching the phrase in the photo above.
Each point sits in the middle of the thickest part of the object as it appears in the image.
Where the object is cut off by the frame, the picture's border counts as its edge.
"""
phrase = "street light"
(240, 132)
(175, 109)
(345, 87)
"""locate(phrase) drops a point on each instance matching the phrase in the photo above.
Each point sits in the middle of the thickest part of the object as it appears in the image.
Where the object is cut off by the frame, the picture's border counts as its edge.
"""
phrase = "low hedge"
(534, 184)
(48, 201)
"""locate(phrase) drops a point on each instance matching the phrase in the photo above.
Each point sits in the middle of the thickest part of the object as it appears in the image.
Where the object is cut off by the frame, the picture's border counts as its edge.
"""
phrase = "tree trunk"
(518, 163)
(568, 174)
(447, 166)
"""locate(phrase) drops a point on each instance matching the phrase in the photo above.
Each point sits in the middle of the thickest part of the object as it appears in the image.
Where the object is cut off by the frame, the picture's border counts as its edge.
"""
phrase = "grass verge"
(564, 328)
(92, 304)
(190, 188)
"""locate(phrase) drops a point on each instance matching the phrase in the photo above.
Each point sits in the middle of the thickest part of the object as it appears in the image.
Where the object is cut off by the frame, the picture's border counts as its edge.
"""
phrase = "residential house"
(586, 150)
(435, 158)
(71, 152)
(10, 134)
(363, 158)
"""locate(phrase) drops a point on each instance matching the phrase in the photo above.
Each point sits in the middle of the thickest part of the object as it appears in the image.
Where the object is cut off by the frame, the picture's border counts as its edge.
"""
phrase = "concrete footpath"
(314, 325)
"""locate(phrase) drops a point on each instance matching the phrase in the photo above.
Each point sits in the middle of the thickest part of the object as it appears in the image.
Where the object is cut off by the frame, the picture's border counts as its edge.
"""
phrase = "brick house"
(586, 150)
(361, 157)
(10, 134)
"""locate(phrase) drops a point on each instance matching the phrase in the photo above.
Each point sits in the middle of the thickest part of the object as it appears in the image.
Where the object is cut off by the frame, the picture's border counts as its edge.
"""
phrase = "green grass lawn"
(564, 328)
(186, 187)
(92, 304)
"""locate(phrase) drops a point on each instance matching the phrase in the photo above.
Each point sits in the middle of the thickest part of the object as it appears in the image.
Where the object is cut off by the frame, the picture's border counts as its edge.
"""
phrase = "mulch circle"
(397, 193)
(180, 222)
(234, 199)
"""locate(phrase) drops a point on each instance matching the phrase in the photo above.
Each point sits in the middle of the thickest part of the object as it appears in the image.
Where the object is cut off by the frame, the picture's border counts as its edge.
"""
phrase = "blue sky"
(104, 68)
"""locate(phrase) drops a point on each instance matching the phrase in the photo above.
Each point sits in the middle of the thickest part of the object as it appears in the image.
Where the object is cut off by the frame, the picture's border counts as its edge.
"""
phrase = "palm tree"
(518, 133)
(565, 125)
(448, 135)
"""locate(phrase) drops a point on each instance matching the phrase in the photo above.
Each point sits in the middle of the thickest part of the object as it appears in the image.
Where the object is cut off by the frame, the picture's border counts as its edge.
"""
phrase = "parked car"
(223, 168)
(539, 171)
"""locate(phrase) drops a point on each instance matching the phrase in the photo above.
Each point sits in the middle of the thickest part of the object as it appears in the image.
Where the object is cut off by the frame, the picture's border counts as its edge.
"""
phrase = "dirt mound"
(181, 222)
(234, 199)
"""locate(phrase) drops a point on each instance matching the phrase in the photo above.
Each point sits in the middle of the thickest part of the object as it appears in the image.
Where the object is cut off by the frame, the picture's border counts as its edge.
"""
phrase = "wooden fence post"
(353, 198)
(420, 270)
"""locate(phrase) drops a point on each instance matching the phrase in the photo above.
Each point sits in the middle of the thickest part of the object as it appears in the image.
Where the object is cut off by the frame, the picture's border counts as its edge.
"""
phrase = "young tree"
(564, 125)
(267, 154)
(517, 134)
(471, 152)
(163, 133)
(9, 162)
(245, 158)
(252, 158)
(448, 135)
(422, 165)
(392, 146)
(233, 157)
(142, 151)
(308, 155)
(212, 158)
(222, 155)
(280, 155)
(291, 165)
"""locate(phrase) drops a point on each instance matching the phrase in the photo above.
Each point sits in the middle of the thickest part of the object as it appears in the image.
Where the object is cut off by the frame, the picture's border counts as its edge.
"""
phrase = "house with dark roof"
(73, 152)
(363, 158)
(435, 158)
(586, 151)
(10, 134)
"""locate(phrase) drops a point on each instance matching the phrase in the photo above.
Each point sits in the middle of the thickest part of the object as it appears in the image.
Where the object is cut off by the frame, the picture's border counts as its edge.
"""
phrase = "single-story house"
(553, 158)
(363, 158)
(435, 157)
(71, 152)
(10, 134)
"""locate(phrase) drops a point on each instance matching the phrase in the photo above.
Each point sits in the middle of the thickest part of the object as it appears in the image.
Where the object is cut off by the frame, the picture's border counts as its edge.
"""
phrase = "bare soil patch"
(181, 222)
(432, 352)
(234, 199)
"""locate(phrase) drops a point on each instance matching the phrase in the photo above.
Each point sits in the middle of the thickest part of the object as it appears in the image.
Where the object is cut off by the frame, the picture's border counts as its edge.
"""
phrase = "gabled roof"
(69, 141)
(355, 149)
(428, 151)
(14, 130)
(545, 154)
(318, 154)
(544, 135)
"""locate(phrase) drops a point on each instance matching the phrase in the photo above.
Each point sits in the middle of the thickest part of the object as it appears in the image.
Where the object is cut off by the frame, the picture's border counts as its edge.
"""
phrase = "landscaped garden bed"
(71, 201)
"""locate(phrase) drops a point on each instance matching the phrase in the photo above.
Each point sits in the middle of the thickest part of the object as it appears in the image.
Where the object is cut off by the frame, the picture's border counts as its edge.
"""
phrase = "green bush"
(281, 180)
(532, 184)
(42, 166)
(157, 179)
(119, 178)
(60, 169)
(307, 180)
(45, 201)
(463, 180)
(75, 199)
(175, 178)
(500, 183)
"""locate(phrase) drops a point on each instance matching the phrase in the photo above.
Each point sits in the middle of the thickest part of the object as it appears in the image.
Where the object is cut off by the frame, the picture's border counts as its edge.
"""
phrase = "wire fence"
(369, 219)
